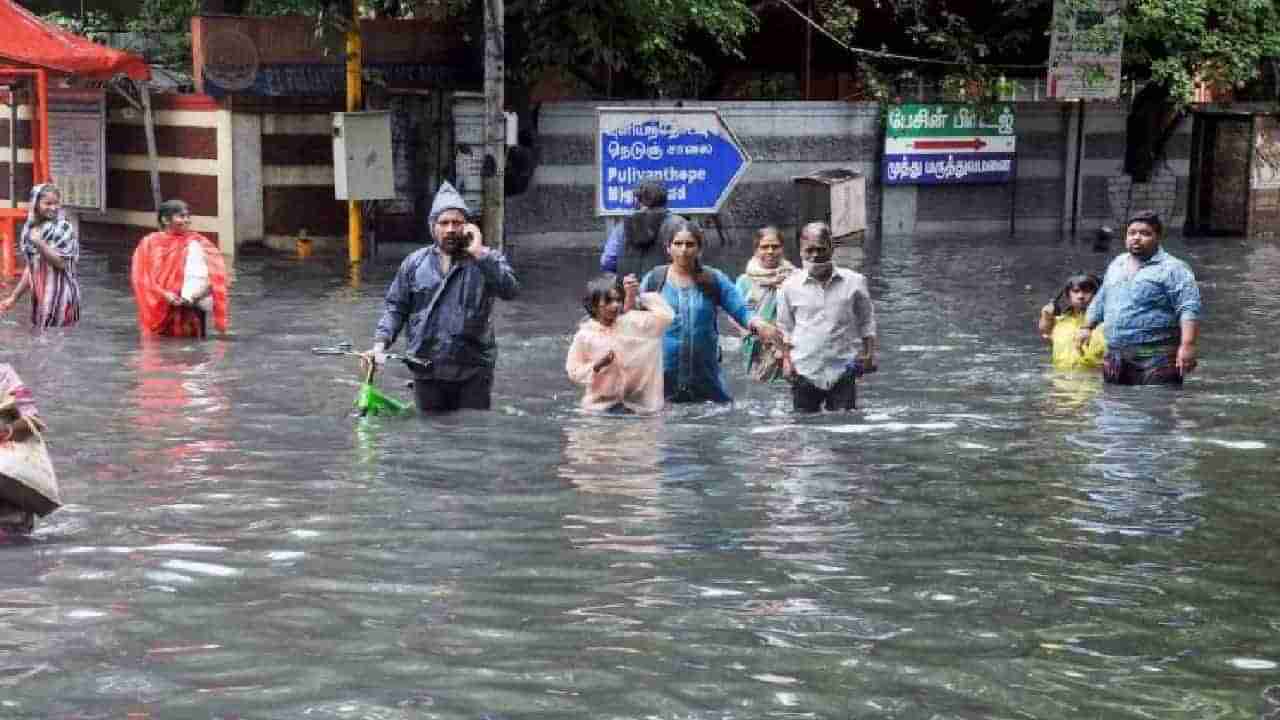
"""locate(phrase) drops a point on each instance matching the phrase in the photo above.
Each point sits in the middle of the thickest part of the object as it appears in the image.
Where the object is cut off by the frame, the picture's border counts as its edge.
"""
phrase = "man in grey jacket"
(444, 294)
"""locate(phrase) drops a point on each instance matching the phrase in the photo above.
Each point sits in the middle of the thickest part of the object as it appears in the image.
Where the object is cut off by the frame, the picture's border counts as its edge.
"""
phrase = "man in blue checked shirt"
(1149, 306)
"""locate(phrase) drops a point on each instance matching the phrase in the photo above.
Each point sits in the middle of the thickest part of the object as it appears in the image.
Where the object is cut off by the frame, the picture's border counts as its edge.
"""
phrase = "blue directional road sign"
(690, 150)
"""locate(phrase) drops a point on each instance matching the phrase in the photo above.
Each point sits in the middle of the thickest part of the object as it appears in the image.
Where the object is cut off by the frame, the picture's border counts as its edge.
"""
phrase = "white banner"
(1085, 48)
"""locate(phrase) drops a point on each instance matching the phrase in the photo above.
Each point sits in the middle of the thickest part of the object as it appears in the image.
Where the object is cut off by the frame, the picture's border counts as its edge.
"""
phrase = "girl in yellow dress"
(1060, 319)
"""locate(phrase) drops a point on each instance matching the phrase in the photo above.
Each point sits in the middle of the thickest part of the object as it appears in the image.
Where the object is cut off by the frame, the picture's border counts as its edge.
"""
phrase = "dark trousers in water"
(437, 396)
(809, 398)
(1142, 365)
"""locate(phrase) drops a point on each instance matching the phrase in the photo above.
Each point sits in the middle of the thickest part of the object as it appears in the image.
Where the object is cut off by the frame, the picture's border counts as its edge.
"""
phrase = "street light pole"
(355, 248)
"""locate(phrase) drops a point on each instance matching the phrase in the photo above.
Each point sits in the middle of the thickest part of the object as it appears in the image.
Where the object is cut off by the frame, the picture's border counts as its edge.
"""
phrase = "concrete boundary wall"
(296, 151)
(786, 139)
(192, 145)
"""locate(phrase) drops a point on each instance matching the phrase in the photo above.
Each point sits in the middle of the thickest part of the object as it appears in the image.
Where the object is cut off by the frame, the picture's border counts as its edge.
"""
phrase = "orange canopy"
(27, 40)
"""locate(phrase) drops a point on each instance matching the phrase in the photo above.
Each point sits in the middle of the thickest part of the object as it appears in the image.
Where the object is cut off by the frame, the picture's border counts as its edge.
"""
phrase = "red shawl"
(158, 264)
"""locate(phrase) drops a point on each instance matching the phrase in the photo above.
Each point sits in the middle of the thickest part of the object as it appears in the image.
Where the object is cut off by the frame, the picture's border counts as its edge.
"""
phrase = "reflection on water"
(983, 538)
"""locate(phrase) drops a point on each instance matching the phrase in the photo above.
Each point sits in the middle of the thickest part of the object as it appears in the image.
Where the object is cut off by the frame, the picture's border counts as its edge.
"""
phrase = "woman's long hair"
(703, 278)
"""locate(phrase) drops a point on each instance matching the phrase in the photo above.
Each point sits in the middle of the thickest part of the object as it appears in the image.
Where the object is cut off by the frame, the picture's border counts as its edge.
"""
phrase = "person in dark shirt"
(442, 297)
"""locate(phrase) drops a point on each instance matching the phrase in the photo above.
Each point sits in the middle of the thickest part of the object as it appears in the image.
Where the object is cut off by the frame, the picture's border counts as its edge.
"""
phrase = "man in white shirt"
(824, 310)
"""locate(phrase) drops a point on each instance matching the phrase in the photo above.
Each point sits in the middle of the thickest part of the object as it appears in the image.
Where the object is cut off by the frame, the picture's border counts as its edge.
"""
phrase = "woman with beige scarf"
(766, 271)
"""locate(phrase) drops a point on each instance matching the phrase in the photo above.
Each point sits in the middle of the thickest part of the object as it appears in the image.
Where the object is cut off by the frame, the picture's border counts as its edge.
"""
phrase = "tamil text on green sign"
(949, 143)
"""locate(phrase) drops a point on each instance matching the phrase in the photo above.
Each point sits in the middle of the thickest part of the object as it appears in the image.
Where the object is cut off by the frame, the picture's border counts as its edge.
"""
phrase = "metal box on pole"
(836, 197)
(362, 158)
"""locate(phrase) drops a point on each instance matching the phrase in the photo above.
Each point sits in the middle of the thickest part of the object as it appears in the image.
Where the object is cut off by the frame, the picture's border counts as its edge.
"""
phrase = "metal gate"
(1219, 202)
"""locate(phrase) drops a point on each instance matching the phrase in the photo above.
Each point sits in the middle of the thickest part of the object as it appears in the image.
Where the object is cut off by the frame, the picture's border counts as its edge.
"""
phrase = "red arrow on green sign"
(973, 144)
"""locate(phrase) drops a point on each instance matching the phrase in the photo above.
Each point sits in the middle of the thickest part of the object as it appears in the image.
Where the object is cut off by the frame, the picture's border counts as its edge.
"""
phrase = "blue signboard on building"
(690, 150)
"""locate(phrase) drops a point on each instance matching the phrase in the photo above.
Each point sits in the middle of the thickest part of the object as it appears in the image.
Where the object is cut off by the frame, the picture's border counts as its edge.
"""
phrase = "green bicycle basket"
(371, 401)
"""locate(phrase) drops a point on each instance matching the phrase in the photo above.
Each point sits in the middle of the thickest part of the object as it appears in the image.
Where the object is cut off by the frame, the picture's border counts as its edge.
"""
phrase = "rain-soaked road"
(982, 539)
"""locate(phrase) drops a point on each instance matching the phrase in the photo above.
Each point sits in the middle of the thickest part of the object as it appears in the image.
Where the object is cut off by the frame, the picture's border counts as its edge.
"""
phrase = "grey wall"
(787, 139)
(784, 139)
(1045, 193)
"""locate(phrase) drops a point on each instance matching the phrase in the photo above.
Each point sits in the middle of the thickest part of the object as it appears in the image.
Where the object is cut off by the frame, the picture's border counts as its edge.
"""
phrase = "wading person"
(444, 294)
(691, 345)
(179, 278)
(824, 311)
(638, 243)
(1061, 320)
(617, 353)
(52, 250)
(1149, 306)
(765, 273)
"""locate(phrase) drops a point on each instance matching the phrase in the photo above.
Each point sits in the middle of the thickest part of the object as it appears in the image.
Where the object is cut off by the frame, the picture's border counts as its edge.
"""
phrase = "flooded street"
(983, 538)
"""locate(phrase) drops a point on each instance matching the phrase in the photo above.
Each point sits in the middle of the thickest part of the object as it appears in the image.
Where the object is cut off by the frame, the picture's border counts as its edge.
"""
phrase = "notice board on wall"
(78, 147)
(1086, 46)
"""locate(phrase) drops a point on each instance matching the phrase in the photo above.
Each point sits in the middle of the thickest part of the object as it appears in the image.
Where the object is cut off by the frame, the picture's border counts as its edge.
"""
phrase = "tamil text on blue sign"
(949, 143)
(689, 150)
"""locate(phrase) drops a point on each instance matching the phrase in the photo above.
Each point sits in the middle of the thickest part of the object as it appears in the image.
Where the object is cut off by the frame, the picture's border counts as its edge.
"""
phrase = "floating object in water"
(27, 480)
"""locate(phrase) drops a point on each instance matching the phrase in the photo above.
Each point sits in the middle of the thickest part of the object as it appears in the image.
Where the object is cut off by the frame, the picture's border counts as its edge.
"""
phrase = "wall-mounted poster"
(1086, 43)
(78, 147)
(1266, 155)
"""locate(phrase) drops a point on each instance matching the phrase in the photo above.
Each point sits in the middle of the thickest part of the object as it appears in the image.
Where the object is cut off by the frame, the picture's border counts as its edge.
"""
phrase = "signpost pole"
(355, 249)
(1075, 181)
(495, 125)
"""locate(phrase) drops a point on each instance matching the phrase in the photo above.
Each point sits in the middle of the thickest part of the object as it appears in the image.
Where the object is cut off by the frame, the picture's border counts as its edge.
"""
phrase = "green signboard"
(945, 143)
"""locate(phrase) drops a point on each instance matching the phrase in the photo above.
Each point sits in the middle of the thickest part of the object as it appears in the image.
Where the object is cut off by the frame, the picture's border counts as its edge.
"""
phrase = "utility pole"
(495, 124)
(355, 98)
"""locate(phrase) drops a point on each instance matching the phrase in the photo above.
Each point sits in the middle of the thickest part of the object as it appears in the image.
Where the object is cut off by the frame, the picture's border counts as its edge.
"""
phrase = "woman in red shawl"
(179, 278)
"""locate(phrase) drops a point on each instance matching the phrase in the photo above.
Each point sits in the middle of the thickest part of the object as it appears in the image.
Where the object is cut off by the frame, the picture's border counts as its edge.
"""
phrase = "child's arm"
(656, 317)
(578, 363)
(1046, 322)
(630, 292)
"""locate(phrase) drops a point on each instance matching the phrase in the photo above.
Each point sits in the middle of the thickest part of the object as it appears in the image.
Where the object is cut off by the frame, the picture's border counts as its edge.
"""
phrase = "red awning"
(29, 41)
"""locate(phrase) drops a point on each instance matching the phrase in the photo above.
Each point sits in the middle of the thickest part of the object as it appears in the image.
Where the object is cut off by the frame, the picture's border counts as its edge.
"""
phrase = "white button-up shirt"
(825, 322)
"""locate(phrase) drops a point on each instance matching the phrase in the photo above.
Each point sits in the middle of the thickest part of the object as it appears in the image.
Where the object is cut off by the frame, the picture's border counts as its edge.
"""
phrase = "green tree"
(1174, 42)
(626, 47)
(648, 47)
(1170, 43)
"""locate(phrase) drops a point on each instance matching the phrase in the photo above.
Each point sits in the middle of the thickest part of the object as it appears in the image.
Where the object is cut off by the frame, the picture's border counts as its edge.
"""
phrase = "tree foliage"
(1174, 42)
(662, 47)
(654, 46)
(1171, 43)
(650, 47)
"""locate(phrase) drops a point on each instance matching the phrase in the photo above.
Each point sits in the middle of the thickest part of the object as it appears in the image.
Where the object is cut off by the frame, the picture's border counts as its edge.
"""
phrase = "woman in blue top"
(691, 346)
